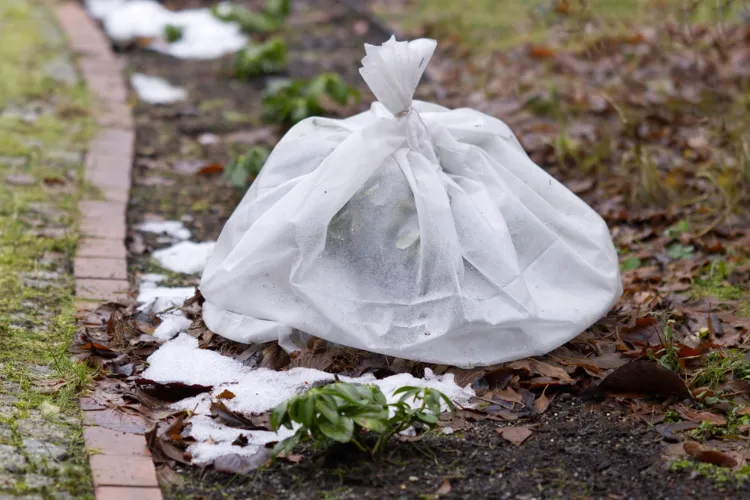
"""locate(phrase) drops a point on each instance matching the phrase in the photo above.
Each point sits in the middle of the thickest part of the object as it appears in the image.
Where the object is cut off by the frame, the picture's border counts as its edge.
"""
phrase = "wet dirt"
(576, 450)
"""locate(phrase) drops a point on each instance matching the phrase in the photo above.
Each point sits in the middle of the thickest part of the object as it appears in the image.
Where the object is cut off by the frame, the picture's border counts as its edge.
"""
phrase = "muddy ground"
(577, 449)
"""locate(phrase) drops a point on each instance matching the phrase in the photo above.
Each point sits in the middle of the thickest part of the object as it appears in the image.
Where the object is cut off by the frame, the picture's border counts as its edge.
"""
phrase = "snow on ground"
(256, 390)
(155, 90)
(161, 301)
(171, 324)
(185, 257)
(173, 228)
(203, 36)
(154, 298)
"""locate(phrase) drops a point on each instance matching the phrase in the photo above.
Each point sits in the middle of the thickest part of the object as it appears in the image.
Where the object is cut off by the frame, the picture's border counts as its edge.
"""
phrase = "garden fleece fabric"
(409, 230)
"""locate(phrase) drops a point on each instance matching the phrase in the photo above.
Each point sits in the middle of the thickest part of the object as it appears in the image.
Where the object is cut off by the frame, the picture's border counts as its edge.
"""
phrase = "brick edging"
(121, 464)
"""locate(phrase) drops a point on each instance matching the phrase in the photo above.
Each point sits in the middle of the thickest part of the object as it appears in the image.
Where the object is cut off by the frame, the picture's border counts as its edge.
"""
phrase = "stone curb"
(121, 464)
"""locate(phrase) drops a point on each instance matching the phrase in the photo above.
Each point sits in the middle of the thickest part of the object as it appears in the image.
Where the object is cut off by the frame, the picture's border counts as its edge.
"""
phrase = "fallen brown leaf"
(54, 181)
(648, 377)
(514, 435)
(444, 488)
(295, 459)
(542, 403)
(701, 416)
(716, 457)
(211, 169)
(508, 394)
(235, 419)
(274, 357)
(541, 52)
(536, 367)
(168, 477)
(225, 394)
(171, 392)
(714, 326)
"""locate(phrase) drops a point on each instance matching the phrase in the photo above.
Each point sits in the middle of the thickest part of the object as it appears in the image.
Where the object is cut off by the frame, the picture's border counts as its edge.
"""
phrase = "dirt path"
(635, 151)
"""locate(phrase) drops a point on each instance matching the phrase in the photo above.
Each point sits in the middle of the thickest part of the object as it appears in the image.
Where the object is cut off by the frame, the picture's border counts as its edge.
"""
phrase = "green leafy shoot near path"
(173, 33)
(261, 58)
(292, 101)
(346, 413)
(243, 170)
(270, 19)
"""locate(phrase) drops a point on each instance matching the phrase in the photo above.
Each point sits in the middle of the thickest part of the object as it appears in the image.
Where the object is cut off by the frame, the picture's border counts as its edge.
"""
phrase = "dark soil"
(577, 450)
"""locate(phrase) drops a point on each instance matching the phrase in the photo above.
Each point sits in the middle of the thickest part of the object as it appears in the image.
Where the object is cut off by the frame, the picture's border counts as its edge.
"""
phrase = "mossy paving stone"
(44, 127)
(575, 451)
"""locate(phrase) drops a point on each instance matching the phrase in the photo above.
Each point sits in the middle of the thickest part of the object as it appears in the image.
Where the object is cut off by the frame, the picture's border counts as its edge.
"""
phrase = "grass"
(491, 25)
(37, 305)
(719, 475)
(712, 282)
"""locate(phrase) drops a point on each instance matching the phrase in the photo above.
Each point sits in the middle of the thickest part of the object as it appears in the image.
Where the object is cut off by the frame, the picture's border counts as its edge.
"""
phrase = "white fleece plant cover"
(410, 230)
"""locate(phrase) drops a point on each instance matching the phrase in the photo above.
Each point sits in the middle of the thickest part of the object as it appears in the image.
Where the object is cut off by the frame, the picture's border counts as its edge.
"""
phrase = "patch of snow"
(203, 36)
(185, 257)
(152, 278)
(443, 383)
(171, 324)
(155, 90)
(173, 228)
(181, 360)
(208, 139)
(156, 299)
(255, 390)
(100, 8)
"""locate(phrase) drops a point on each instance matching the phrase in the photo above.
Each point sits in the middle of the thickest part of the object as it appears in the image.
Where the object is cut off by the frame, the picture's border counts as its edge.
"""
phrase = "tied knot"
(403, 113)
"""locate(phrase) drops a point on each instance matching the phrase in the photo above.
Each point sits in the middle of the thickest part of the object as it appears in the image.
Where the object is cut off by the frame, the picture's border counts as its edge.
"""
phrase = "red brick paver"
(97, 247)
(100, 289)
(101, 268)
(120, 493)
(121, 464)
(111, 442)
(113, 470)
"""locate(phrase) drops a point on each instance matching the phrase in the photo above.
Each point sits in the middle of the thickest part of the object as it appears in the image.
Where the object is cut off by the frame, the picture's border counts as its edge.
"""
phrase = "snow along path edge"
(121, 464)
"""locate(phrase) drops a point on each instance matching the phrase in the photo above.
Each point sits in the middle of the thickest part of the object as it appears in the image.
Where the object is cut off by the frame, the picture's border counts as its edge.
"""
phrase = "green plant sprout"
(678, 251)
(718, 365)
(173, 33)
(668, 355)
(270, 19)
(260, 58)
(346, 413)
(292, 101)
(243, 170)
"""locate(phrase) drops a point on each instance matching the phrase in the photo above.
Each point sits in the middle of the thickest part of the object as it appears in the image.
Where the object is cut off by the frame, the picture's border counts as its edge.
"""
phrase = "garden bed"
(590, 134)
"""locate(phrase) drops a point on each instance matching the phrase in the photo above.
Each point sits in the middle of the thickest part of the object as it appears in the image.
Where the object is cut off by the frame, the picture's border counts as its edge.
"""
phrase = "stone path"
(43, 128)
(48, 269)
(122, 467)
